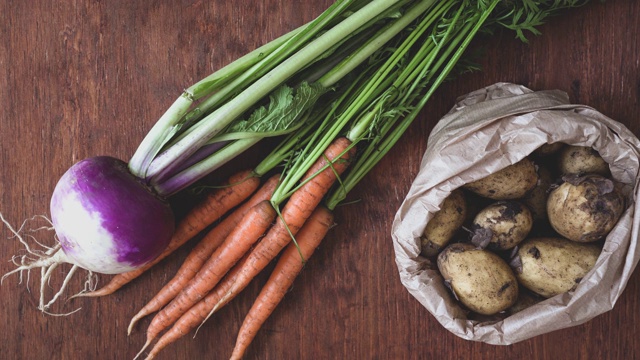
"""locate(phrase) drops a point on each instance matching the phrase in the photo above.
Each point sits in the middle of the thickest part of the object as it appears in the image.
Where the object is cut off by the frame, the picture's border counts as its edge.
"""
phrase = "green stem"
(225, 83)
(158, 135)
(204, 167)
(165, 127)
(216, 121)
(294, 141)
(239, 67)
(357, 101)
(379, 150)
(274, 58)
(376, 42)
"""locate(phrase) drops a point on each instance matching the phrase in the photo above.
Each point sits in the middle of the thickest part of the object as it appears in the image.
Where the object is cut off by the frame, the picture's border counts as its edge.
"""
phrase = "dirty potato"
(552, 266)
(536, 199)
(585, 208)
(510, 183)
(502, 225)
(444, 224)
(526, 299)
(479, 279)
(549, 149)
(581, 160)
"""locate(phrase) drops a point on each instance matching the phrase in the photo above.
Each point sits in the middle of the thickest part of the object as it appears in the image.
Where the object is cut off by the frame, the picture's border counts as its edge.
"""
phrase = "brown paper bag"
(485, 131)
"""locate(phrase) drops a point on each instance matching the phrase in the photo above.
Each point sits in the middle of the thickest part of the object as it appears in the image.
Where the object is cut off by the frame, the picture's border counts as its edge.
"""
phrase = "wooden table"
(85, 78)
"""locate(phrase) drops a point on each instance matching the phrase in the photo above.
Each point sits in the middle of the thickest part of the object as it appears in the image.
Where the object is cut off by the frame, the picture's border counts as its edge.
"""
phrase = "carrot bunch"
(256, 241)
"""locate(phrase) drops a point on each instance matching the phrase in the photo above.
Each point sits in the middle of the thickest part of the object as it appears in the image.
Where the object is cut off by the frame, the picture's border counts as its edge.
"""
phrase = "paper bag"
(486, 131)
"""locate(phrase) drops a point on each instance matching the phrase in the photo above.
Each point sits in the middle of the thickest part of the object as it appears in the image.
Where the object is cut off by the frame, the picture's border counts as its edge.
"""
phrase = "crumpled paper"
(486, 131)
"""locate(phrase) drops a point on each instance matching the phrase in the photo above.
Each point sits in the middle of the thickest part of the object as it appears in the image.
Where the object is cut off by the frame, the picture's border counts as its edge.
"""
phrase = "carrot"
(288, 267)
(309, 234)
(302, 203)
(189, 320)
(252, 226)
(202, 252)
(216, 204)
(294, 214)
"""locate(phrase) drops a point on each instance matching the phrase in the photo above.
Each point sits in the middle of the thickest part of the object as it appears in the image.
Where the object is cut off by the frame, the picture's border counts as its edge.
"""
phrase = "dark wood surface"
(82, 78)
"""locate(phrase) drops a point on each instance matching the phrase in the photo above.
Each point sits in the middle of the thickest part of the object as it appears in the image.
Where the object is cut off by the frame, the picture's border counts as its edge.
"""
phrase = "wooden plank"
(86, 78)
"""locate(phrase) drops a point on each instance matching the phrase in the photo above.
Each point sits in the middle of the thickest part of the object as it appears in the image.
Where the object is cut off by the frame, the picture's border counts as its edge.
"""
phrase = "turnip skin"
(585, 208)
(106, 219)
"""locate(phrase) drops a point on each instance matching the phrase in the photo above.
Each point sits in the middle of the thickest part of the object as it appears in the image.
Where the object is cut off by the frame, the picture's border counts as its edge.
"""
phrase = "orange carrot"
(252, 226)
(216, 204)
(202, 252)
(192, 318)
(199, 312)
(287, 268)
(295, 212)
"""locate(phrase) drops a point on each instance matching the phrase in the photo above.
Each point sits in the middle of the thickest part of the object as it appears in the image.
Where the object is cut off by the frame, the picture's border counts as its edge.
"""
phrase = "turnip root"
(106, 221)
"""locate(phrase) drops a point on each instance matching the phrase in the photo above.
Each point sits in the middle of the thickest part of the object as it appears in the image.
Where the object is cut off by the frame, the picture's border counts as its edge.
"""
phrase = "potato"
(526, 299)
(444, 224)
(502, 225)
(536, 199)
(585, 208)
(479, 279)
(510, 183)
(549, 149)
(552, 266)
(581, 160)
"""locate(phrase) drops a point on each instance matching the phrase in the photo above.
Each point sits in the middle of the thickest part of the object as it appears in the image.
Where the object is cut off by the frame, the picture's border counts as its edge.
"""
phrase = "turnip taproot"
(106, 221)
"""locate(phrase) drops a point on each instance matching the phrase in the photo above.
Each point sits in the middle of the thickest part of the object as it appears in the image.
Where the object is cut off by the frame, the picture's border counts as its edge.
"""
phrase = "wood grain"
(85, 78)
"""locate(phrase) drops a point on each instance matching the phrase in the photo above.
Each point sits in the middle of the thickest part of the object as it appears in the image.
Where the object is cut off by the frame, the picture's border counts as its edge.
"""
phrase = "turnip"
(106, 221)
